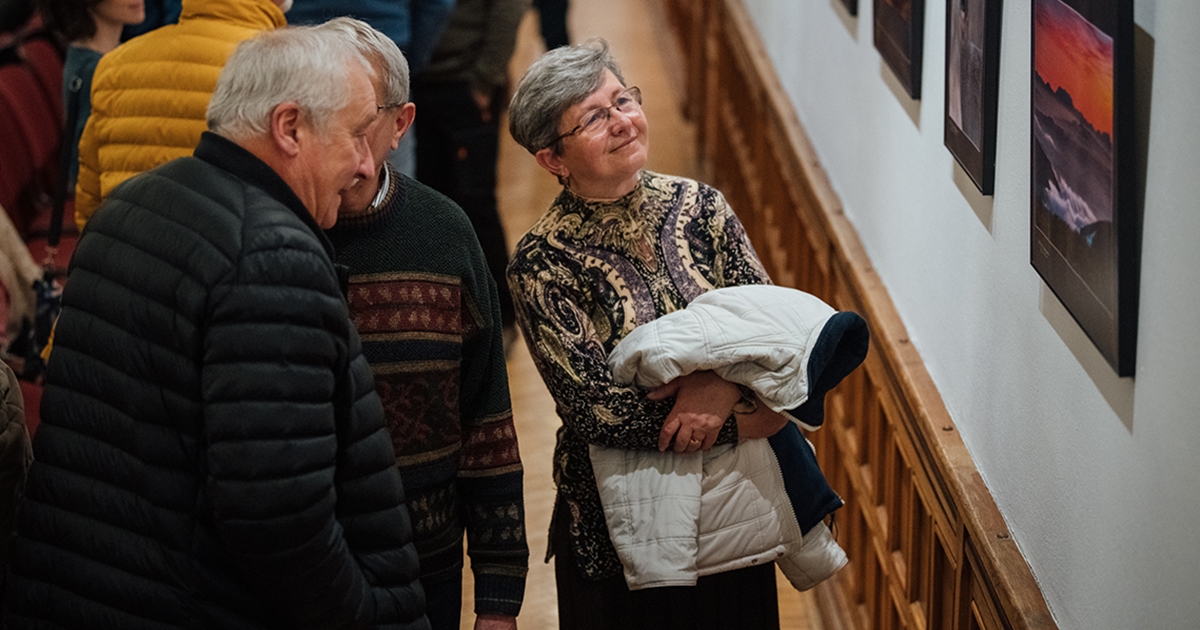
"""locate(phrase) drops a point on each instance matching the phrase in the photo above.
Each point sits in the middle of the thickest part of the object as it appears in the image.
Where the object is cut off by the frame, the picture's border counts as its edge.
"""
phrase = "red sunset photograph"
(1074, 164)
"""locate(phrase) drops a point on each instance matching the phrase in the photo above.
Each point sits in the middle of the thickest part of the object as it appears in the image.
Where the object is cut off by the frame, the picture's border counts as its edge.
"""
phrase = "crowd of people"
(276, 394)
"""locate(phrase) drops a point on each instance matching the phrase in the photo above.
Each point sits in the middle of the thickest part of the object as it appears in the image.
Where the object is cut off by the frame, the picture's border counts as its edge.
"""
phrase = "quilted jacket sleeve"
(15, 455)
(87, 186)
(371, 509)
(301, 476)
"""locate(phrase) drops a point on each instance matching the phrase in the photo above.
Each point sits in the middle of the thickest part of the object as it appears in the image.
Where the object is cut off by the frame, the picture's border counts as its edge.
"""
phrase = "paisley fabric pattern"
(587, 274)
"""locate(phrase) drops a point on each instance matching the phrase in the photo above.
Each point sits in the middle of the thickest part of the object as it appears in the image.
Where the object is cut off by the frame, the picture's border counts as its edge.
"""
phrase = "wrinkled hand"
(495, 622)
(703, 400)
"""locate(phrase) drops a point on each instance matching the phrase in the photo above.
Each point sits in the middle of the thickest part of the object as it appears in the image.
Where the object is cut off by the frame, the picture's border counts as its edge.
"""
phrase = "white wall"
(1098, 477)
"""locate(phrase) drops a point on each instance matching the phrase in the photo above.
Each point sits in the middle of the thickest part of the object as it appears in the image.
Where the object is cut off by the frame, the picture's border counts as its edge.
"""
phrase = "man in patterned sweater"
(427, 309)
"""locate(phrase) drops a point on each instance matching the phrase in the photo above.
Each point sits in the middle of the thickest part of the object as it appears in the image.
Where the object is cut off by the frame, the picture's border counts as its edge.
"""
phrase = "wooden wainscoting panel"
(928, 548)
(979, 598)
(897, 495)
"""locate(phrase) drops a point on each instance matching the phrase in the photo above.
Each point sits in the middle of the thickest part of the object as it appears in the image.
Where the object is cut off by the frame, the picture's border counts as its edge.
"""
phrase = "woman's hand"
(703, 400)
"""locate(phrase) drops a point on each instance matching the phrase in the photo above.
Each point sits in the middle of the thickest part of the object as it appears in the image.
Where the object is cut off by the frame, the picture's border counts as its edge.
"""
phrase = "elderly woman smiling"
(619, 247)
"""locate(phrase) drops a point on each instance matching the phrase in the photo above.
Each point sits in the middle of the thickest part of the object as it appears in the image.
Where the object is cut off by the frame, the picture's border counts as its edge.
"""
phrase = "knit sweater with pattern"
(587, 274)
(425, 305)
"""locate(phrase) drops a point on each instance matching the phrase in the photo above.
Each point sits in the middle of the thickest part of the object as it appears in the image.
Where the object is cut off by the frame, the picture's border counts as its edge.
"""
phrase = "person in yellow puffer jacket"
(150, 94)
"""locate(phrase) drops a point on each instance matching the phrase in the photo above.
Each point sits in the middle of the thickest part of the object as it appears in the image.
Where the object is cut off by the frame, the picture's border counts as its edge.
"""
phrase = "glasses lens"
(629, 99)
(593, 120)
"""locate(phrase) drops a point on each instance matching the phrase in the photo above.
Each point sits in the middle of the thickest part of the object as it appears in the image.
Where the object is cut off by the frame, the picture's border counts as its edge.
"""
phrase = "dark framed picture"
(899, 28)
(851, 6)
(972, 83)
(1086, 226)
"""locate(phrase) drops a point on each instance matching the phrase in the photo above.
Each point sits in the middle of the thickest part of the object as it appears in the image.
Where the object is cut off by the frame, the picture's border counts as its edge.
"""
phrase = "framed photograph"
(972, 83)
(851, 6)
(899, 28)
(1086, 226)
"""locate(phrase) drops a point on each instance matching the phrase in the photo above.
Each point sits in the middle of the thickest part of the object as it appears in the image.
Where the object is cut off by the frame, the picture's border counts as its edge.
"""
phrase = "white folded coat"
(675, 517)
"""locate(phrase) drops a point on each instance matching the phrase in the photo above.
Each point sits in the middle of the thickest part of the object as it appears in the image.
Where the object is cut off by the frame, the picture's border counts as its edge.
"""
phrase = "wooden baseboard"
(928, 547)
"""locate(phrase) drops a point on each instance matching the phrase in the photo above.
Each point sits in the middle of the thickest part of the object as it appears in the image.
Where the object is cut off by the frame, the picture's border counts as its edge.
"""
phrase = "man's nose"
(366, 162)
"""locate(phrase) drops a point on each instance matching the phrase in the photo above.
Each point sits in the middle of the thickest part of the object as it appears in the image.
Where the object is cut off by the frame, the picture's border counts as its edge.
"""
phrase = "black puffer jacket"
(212, 453)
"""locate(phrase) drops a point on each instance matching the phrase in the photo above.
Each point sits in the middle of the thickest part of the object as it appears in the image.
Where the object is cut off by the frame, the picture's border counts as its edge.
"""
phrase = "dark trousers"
(552, 16)
(443, 601)
(456, 156)
(745, 599)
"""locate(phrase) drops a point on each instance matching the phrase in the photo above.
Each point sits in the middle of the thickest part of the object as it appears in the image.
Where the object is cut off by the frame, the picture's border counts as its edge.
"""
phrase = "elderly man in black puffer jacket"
(212, 453)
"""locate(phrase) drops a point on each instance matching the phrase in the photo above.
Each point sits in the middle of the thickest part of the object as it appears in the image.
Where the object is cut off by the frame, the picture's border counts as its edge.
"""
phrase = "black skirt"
(744, 599)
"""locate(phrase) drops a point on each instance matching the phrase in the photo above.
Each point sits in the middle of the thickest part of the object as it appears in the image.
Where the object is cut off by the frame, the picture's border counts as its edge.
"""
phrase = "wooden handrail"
(928, 545)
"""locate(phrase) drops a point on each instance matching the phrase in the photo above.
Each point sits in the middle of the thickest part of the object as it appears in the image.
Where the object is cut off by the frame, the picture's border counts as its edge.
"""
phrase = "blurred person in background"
(461, 95)
(92, 29)
(150, 94)
(158, 13)
(552, 22)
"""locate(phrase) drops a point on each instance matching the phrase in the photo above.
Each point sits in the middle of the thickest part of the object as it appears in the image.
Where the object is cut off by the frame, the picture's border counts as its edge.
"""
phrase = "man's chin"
(357, 197)
(353, 202)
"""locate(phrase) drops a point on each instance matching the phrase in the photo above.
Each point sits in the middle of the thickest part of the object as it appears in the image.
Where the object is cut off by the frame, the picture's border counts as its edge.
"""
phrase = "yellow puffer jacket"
(150, 94)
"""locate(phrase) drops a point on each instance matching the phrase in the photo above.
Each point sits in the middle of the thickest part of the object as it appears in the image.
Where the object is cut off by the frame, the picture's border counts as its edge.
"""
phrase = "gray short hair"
(384, 55)
(562, 78)
(305, 65)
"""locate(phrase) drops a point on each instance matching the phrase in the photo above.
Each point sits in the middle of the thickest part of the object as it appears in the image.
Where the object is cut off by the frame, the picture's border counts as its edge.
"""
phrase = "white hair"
(305, 65)
(383, 53)
(553, 84)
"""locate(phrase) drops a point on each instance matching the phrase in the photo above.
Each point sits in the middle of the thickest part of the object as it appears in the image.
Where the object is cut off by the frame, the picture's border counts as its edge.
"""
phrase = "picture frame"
(851, 6)
(1085, 221)
(972, 87)
(899, 31)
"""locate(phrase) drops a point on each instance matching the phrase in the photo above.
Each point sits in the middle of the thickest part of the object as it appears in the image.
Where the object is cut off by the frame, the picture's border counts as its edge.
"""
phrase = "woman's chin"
(635, 154)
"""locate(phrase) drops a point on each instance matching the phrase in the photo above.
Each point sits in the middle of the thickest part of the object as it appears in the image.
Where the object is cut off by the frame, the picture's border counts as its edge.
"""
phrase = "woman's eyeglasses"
(596, 119)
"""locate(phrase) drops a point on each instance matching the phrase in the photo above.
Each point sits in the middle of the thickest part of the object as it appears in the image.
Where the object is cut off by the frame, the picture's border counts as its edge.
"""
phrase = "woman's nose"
(619, 121)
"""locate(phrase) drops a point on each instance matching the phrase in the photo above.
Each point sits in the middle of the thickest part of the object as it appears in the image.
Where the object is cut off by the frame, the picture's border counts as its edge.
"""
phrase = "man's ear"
(286, 126)
(404, 118)
(553, 162)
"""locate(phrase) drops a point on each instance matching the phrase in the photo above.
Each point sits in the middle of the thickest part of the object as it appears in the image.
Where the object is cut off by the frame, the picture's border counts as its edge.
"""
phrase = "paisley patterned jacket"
(584, 276)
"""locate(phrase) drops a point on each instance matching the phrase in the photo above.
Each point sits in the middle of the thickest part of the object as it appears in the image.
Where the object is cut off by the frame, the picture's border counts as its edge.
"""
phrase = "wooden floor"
(642, 44)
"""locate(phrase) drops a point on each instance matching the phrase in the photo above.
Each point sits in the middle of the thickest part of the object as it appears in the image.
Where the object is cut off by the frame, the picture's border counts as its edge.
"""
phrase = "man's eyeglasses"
(388, 106)
(596, 119)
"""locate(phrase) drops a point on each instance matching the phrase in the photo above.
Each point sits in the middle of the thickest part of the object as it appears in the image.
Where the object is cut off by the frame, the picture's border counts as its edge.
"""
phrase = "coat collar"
(258, 14)
(229, 156)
